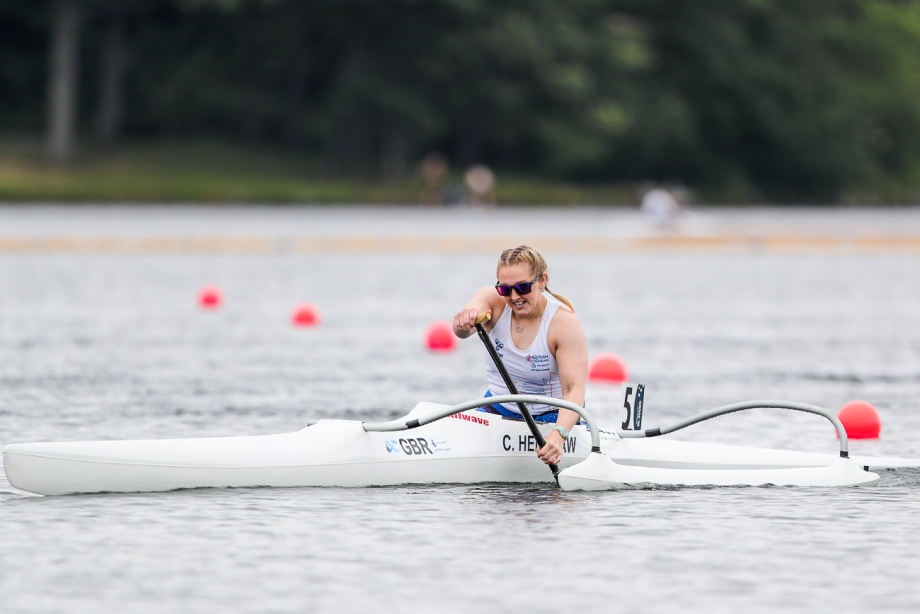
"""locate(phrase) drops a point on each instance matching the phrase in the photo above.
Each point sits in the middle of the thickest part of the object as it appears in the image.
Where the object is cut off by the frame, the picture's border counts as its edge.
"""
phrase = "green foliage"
(748, 99)
(798, 100)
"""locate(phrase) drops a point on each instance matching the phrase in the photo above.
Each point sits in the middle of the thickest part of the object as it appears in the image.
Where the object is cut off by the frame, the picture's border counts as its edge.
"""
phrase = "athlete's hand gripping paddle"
(484, 336)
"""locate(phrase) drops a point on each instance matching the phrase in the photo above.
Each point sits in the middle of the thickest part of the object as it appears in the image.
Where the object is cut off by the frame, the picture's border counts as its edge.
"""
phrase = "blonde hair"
(524, 254)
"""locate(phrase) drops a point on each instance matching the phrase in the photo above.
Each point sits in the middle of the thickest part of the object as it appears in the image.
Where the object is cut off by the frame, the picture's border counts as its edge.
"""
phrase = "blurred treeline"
(790, 100)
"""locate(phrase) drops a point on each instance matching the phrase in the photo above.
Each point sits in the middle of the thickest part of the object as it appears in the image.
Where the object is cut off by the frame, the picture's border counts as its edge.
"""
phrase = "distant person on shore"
(434, 170)
(662, 208)
(539, 339)
(480, 180)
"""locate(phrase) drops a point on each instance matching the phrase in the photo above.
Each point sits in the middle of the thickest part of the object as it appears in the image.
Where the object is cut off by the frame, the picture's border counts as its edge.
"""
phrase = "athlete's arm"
(568, 337)
(485, 299)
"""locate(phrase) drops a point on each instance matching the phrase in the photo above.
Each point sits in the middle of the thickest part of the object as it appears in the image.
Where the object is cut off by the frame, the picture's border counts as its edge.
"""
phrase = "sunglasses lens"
(522, 288)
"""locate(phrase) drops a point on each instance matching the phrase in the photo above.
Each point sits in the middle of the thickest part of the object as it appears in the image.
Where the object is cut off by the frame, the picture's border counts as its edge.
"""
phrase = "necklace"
(519, 327)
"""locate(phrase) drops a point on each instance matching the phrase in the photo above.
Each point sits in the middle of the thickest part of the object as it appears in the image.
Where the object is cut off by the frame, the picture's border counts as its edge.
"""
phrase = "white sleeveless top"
(533, 370)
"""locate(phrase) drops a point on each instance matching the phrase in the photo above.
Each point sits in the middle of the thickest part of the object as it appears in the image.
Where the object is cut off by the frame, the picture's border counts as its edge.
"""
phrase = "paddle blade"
(596, 472)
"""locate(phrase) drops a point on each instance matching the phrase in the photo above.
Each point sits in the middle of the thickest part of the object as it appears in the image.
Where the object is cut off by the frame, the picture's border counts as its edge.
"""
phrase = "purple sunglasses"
(522, 288)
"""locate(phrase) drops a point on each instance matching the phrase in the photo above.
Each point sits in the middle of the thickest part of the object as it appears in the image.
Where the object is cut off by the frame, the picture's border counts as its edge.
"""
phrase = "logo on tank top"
(538, 362)
(498, 347)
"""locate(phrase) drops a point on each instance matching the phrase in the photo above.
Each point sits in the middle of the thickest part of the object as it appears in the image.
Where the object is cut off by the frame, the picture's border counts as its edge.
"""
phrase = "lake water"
(107, 342)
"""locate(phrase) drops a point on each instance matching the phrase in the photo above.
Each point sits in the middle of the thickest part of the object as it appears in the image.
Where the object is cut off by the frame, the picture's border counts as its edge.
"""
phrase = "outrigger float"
(436, 443)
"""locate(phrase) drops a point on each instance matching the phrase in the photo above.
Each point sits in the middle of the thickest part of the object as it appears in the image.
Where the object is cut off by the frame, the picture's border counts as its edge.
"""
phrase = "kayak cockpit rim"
(402, 424)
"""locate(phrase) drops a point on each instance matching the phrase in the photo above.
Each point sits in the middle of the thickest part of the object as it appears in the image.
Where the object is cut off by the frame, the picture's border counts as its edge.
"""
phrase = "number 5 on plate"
(633, 399)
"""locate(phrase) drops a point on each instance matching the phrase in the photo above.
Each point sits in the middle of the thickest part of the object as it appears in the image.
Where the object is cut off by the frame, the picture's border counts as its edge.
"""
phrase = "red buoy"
(439, 337)
(607, 367)
(861, 420)
(305, 314)
(210, 297)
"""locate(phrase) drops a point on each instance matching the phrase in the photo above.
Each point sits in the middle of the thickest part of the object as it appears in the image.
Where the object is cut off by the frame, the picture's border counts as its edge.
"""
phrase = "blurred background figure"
(434, 169)
(480, 180)
(661, 208)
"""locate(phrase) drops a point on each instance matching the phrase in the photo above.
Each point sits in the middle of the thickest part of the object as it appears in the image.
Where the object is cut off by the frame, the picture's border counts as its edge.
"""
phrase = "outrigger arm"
(402, 425)
(728, 409)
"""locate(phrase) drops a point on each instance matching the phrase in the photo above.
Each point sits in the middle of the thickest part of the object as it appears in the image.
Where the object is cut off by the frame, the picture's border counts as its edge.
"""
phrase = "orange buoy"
(607, 367)
(305, 314)
(210, 297)
(861, 420)
(439, 337)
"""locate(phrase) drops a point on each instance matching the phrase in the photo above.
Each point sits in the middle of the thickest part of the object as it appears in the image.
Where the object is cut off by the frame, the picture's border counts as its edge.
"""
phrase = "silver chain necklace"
(518, 328)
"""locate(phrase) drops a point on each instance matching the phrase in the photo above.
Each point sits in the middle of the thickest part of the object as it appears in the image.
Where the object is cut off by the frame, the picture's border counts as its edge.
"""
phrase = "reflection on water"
(104, 346)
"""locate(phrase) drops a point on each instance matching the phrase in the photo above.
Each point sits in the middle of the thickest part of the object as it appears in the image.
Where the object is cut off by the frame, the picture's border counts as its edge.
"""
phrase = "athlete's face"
(522, 305)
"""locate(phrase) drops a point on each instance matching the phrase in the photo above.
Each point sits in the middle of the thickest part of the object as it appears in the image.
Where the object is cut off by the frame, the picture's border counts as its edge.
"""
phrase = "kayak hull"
(468, 447)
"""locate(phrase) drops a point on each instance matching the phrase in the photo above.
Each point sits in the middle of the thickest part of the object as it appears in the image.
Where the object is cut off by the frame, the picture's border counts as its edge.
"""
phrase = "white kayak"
(434, 443)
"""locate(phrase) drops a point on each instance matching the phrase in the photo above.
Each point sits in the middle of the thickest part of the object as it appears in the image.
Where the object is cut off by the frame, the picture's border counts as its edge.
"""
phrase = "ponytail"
(562, 299)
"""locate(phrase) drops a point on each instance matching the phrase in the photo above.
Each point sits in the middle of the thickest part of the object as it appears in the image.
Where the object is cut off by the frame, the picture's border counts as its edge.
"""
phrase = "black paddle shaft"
(480, 329)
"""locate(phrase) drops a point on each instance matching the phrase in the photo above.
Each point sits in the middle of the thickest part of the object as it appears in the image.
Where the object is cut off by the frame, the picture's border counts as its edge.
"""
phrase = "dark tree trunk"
(297, 79)
(112, 80)
(394, 158)
(350, 150)
(62, 82)
(254, 79)
(351, 147)
(469, 142)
